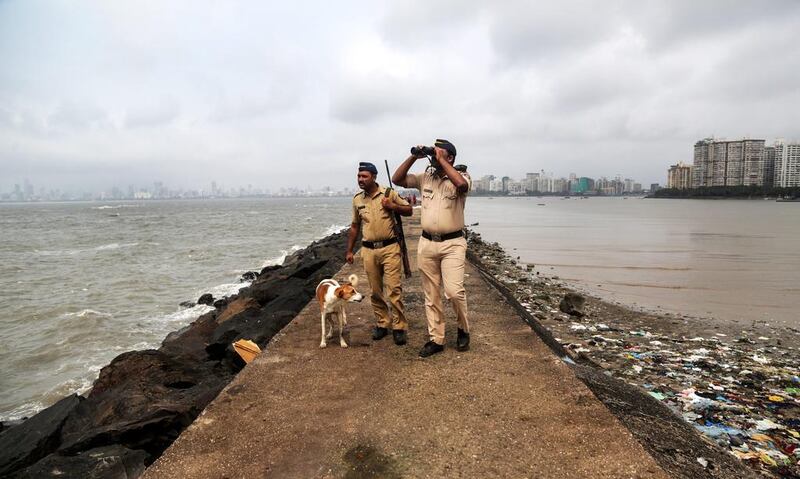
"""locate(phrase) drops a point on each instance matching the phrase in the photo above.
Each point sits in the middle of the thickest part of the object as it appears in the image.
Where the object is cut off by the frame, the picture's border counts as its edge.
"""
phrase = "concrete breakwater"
(142, 400)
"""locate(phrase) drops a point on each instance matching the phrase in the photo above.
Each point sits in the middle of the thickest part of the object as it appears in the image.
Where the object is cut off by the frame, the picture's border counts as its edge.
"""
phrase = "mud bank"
(697, 395)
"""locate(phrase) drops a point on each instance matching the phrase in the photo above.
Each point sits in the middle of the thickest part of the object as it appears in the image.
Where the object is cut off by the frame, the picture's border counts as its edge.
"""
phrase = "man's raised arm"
(400, 176)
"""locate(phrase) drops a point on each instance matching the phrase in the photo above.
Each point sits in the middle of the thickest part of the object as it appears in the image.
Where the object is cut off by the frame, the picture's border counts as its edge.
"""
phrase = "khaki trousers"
(443, 262)
(383, 267)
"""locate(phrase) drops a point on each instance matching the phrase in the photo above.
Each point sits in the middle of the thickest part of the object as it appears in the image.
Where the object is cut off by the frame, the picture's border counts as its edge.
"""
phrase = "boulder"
(142, 400)
(249, 276)
(37, 437)
(190, 341)
(236, 307)
(110, 462)
(572, 304)
(206, 299)
(187, 304)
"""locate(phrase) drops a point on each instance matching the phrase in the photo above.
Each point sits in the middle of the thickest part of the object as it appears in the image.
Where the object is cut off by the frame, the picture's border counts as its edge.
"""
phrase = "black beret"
(366, 166)
(446, 145)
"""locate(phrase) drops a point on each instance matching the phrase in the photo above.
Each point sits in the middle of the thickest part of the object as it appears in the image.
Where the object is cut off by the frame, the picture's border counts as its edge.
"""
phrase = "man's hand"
(387, 204)
(349, 257)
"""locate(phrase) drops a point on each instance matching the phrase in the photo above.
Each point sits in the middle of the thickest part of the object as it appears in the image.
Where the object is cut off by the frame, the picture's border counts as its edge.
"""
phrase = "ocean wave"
(332, 229)
(87, 312)
(113, 207)
(225, 290)
(72, 252)
(111, 246)
(278, 260)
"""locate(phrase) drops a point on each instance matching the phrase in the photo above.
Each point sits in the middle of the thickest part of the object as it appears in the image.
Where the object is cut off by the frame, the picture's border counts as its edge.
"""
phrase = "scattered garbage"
(741, 391)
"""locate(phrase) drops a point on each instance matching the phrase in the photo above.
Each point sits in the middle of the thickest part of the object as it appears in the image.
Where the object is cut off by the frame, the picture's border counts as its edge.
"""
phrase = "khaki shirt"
(376, 221)
(442, 204)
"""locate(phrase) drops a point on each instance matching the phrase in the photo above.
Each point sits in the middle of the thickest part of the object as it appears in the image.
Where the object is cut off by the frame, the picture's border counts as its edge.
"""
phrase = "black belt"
(378, 244)
(444, 237)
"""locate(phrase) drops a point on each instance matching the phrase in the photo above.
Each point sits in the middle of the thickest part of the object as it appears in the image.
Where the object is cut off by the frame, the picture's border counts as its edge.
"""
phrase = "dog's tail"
(353, 280)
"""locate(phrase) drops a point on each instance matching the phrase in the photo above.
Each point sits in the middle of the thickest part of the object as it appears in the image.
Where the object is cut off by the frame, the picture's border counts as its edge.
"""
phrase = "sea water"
(731, 260)
(83, 282)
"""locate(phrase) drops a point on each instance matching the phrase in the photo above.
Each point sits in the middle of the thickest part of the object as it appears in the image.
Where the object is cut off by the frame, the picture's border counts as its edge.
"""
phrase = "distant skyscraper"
(787, 164)
(728, 163)
(769, 166)
(679, 176)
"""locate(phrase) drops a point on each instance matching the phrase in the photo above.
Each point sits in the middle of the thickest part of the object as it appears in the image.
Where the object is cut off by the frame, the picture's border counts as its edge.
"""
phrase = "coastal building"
(769, 166)
(728, 163)
(679, 176)
(787, 164)
(483, 184)
(701, 169)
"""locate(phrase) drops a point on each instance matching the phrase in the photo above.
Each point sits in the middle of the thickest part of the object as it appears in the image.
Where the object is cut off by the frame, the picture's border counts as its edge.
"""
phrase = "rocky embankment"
(142, 400)
(697, 394)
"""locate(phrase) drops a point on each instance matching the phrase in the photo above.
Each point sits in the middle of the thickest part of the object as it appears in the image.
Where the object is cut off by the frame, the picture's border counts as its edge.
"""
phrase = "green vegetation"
(728, 192)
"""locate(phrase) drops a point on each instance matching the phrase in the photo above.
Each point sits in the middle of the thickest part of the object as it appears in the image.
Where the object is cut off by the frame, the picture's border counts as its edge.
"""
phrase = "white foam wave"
(224, 290)
(186, 315)
(86, 312)
(333, 229)
(72, 252)
(112, 246)
(278, 260)
(113, 207)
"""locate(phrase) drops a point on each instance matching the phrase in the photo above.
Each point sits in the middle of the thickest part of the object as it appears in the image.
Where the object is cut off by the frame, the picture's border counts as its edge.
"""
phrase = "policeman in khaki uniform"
(442, 248)
(373, 210)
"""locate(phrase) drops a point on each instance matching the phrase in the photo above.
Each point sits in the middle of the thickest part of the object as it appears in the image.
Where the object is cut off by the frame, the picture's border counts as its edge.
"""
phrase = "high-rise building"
(787, 164)
(753, 162)
(679, 176)
(769, 166)
(701, 171)
(728, 163)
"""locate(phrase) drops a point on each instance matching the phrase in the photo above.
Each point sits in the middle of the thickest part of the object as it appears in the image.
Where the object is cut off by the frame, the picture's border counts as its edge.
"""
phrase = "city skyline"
(719, 162)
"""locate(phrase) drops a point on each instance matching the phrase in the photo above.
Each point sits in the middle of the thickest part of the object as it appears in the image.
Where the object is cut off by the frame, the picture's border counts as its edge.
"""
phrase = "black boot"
(379, 333)
(430, 349)
(399, 336)
(462, 343)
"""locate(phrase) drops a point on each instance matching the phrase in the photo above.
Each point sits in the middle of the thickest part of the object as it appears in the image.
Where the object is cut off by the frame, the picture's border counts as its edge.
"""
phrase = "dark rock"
(572, 304)
(110, 462)
(235, 307)
(187, 304)
(207, 299)
(220, 303)
(267, 269)
(37, 437)
(142, 400)
(249, 276)
(190, 341)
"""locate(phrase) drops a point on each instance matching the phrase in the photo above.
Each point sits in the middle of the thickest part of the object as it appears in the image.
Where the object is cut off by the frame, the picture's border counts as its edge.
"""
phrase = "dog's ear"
(339, 292)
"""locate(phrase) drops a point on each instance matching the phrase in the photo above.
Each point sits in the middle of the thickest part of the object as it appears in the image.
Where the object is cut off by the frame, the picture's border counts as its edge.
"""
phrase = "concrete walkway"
(506, 408)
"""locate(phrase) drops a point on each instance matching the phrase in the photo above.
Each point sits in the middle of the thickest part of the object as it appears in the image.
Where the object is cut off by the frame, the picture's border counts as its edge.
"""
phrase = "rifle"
(398, 226)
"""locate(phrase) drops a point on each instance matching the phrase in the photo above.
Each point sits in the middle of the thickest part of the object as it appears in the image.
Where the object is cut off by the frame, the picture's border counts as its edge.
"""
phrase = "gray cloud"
(160, 114)
(243, 92)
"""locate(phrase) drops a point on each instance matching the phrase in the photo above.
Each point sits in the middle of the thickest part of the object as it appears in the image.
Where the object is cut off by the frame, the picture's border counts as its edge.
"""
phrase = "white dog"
(332, 299)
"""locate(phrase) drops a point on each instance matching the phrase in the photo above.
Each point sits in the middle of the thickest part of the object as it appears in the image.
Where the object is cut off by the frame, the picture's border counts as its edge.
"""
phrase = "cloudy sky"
(96, 94)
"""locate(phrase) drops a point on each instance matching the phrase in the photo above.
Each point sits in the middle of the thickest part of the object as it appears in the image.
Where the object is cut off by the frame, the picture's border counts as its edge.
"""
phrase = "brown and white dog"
(332, 299)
